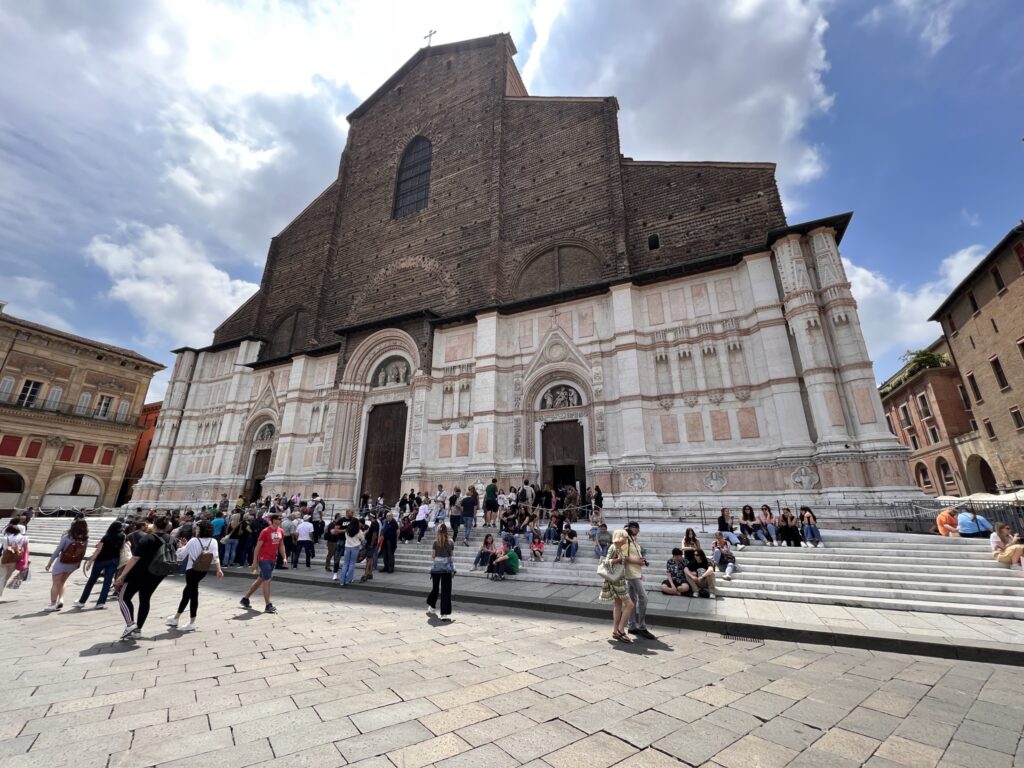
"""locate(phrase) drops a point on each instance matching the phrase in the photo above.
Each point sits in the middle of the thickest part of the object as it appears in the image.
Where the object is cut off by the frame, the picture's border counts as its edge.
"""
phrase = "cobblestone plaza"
(368, 679)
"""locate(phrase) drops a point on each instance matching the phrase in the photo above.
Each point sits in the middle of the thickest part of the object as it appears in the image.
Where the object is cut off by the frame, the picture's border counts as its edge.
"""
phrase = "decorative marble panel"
(835, 408)
(585, 322)
(669, 428)
(746, 419)
(865, 408)
(444, 447)
(462, 444)
(720, 429)
(725, 296)
(694, 428)
(482, 439)
(458, 347)
(525, 334)
(655, 309)
(701, 300)
(677, 303)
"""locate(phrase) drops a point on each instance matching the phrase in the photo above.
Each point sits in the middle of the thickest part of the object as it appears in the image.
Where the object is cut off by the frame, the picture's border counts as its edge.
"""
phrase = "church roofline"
(422, 53)
(699, 163)
(971, 276)
(839, 222)
(219, 345)
(388, 321)
(591, 99)
(298, 216)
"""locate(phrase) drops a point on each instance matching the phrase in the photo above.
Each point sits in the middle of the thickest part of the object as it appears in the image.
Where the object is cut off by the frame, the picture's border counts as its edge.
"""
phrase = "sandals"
(622, 637)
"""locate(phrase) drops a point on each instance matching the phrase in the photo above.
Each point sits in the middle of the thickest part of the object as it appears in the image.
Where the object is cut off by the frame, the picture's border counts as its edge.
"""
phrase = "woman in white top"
(1007, 549)
(354, 538)
(201, 555)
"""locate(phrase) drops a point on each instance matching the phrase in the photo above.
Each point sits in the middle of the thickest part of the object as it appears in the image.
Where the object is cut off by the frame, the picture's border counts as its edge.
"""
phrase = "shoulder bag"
(610, 571)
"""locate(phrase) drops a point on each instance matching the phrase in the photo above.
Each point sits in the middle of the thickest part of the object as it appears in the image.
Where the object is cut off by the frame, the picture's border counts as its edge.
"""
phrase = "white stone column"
(168, 424)
(482, 462)
(816, 364)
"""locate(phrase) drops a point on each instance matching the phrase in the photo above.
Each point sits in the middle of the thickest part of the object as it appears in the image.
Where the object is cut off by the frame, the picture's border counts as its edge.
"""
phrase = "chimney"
(2, 305)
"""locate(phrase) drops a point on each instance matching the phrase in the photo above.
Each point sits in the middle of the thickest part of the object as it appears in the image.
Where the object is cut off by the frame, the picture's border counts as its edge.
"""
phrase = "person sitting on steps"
(729, 530)
(675, 582)
(699, 573)
(722, 556)
(567, 545)
(789, 529)
(764, 528)
(486, 554)
(690, 541)
(1007, 549)
(809, 525)
(971, 525)
(602, 541)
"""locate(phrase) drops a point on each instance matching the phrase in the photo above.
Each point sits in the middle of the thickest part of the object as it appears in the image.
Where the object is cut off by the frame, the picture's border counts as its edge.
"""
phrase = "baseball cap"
(633, 524)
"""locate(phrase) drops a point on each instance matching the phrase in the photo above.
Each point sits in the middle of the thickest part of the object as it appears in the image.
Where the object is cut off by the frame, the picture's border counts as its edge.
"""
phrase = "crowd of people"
(964, 522)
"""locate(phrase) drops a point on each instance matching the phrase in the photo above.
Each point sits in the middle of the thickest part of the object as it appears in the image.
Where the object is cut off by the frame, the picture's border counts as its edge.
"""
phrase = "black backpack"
(165, 561)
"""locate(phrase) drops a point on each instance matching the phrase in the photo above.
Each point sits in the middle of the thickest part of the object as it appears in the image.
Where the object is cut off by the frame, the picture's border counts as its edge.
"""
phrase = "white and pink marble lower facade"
(743, 384)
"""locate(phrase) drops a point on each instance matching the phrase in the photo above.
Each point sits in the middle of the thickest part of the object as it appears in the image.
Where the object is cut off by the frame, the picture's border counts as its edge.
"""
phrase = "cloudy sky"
(149, 150)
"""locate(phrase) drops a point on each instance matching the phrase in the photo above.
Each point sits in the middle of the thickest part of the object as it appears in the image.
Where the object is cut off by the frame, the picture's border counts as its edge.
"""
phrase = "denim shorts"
(267, 569)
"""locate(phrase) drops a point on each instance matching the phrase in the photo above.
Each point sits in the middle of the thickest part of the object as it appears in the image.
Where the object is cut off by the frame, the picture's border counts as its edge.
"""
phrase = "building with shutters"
(489, 288)
(983, 324)
(68, 413)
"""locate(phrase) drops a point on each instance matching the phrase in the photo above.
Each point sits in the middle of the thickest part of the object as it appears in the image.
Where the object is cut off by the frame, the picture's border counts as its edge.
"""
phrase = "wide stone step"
(770, 589)
(1008, 585)
(904, 603)
(934, 572)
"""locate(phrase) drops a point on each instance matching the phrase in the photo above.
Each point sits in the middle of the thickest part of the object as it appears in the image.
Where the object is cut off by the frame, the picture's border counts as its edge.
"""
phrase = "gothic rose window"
(412, 188)
(560, 396)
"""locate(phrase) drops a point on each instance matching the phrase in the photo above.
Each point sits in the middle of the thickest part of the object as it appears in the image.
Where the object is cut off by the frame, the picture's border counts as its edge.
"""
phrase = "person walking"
(634, 562)
(103, 562)
(269, 549)
(469, 505)
(442, 569)
(615, 589)
(373, 543)
(354, 538)
(136, 578)
(491, 502)
(421, 520)
(200, 556)
(14, 560)
(65, 560)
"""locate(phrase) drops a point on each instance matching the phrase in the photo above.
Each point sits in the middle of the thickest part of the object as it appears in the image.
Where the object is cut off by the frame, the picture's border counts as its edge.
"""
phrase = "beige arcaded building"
(69, 409)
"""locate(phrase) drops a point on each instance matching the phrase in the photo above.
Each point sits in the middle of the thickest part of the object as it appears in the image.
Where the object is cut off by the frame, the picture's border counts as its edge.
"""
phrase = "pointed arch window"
(412, 187)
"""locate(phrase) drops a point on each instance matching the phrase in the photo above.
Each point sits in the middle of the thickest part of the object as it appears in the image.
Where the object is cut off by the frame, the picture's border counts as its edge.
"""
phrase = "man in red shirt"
(269, 545)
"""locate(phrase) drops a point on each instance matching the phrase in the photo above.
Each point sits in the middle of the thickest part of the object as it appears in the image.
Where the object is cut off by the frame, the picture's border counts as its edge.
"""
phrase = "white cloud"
(167, 282)
(36, 300)
(970, 219)
(930, 20)
(686, 94)
(894, 318)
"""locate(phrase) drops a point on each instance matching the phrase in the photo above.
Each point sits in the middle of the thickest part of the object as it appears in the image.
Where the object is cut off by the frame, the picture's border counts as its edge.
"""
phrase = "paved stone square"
(366, 678)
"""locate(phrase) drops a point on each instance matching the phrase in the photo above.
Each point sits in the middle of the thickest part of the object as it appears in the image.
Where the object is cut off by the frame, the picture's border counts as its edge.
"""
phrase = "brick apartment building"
(137, 463)
(69, 408)
(489, 288)
(927, 409)
(983, 324)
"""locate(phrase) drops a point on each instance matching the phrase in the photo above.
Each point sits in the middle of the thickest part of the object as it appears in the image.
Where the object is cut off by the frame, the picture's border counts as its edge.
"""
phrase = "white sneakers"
(727, 577)
(804, 544)
(131, 629)
(712, 596)
(334, 577)
(172, 621)
(190, 627)
(447, 618)
(431, 611)
(78, 604)
(741, 546)
(54, 607)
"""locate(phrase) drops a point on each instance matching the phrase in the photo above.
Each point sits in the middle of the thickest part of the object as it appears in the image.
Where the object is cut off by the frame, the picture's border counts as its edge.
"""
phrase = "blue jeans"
(349, 571)
(300, 547)
(566, 548)
(811, 534)
(230, 548)
(106, 568)
(467, 524)
(731, 537)
(600, 551)
(760, 531)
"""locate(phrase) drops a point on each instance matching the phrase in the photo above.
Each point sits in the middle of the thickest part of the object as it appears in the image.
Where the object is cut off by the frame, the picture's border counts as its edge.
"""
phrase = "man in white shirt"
(440, 502)
(421, 520)
(303, 542)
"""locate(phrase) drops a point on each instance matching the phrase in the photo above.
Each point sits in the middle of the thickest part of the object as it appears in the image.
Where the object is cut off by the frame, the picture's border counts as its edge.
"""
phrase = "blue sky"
(149, 150)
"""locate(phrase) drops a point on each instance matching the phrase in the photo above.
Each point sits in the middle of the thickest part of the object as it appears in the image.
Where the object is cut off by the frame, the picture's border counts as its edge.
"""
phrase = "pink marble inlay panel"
(482, 436)
(865, 408)
(564, 320)
(444, 447)
(462, 444)
(669, 428)
(694, 428)
(746, 420)
(720, 429)
(835, 408)
(677, 303)
(525, 334)
(655, 309)
(726, 299)
(701, 301)
(458, 347)
(585, 322)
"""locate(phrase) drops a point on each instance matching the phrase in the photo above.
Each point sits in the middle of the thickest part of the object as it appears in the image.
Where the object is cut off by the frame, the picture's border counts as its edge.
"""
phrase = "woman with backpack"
(153, 557)
(15, 555)
(200, 557)
(65, 560)
(354, 538)
(104, 561)
(442, 570)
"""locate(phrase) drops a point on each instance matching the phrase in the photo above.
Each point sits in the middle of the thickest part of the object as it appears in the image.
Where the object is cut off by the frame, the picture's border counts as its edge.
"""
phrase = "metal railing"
(70, 409)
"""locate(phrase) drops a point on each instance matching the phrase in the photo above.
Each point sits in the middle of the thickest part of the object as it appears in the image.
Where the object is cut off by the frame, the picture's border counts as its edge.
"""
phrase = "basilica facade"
(489, 288)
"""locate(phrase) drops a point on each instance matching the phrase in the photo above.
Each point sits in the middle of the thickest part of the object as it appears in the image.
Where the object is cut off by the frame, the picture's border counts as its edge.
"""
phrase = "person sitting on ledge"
(537, 548)
(506, 563)
(406, 530)
(567, 545)
(972, 525)
(486, 554)
(699, 573)
(602, 541)
(690, 541)
(764, 528)
(722, 556)
(596, 519)
(789, 529)
(728, 529)
(1007, 549)
(675, 582)
(809, 526)
(946, 522)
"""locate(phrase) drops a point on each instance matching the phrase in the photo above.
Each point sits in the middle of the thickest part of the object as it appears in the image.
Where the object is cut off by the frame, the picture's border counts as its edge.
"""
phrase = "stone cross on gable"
(429, 36)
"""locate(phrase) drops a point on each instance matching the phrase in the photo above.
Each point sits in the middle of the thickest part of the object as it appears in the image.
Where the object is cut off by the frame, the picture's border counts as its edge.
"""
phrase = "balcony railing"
(70, 409)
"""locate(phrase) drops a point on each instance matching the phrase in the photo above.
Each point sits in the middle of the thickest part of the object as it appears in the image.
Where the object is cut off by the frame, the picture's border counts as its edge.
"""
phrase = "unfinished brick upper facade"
(543, 258)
